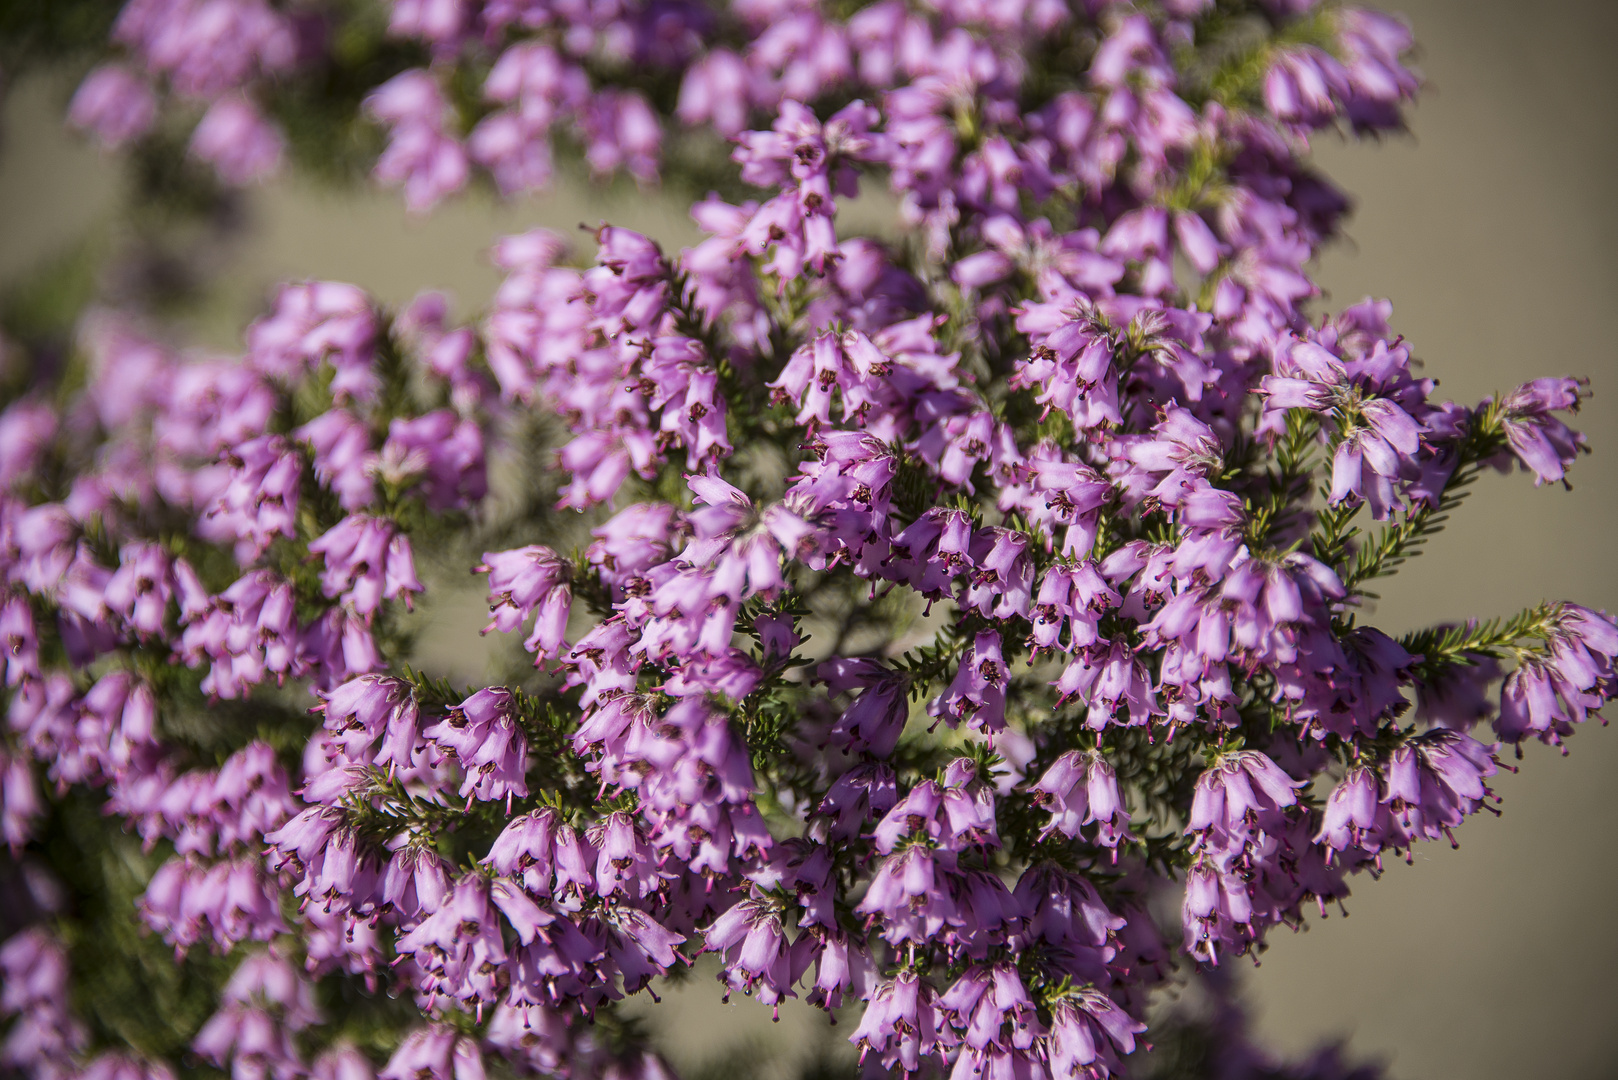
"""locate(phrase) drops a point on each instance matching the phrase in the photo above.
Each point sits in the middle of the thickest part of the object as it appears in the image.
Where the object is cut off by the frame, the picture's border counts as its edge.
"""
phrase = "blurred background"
(1493, 228)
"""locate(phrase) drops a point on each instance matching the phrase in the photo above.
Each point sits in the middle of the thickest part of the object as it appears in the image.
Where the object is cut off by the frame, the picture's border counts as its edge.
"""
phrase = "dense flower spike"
(925, 613)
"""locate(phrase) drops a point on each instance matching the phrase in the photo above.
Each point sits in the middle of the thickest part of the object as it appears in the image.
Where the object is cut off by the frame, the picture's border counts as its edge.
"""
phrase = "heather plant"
(961, 629)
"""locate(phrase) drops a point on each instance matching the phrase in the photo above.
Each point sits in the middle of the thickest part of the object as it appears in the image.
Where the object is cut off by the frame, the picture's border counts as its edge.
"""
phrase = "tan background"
(1494, 229)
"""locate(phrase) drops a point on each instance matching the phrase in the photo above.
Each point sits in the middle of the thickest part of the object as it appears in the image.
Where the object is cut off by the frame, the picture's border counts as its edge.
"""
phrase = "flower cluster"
(494, 85)
(207, 54)
(222, 527)
(924, 614)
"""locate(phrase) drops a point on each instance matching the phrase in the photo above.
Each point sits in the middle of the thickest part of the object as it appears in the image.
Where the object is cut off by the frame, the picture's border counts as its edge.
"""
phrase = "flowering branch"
(1482, 442)
(1081, 427)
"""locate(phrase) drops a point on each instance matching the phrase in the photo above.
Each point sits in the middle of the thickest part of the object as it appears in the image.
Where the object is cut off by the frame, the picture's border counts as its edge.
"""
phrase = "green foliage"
(1403, 540)
(1236, 43)
(41, 311)
(1285, 485)
(1442, 648)
(328, 138)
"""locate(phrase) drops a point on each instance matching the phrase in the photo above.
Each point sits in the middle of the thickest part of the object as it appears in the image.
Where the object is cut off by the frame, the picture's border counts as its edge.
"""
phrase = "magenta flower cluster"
(205, 54)
(944, 605)
(593, 74)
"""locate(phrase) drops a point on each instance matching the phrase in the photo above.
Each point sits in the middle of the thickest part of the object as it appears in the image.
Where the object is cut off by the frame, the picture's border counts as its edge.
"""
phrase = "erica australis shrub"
(960, 630)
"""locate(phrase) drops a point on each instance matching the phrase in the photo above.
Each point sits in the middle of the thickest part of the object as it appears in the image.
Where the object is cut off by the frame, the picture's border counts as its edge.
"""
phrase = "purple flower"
(1458, 697)
(1542, 443)
(621, 132)
(977, 694)
(876, 718)
(992, 1007)
(1372, 45)
(116, 105)
(736, 553)
(716, 91)
(459, 947)
(1020, 409)
(1304, 86)
(342, 456)
(1088, 1027)
(367, 560)
(917, 810)
(1217, 911)
(1001, 585)
(340, 941)
(1108, 677)
(35, 965)
(319, 848)
(207, 48)
(523, 851)
(483, 736)
(910, 896)
(422, 156)
(315, 322)
(969, 805)
(1080, 788)
(342, 1062)
(1351, 812)
(246, 1033)
(512, 148)
(1071, 599)
(529, 579)
(118, 718)
(341, 645)
(20, 803)
(188, 901)
(434, 1053)
(1377, 407)
(862, 793)
(26, 431)
(626, 867)
(811, 163)
(1239, 798)
(140, 589)
(440, 22)
(20, 640)
(631, 542)
(980, 269)
(1183, 451)
(758, 957)
(260, 501)
(248, 631)
(900, 1022)
(236, 139)
(1063, 911)
(370, 708)
(1198, 242)
(1435, 781)
(415, 884)
(842, 969)
(442, 453)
